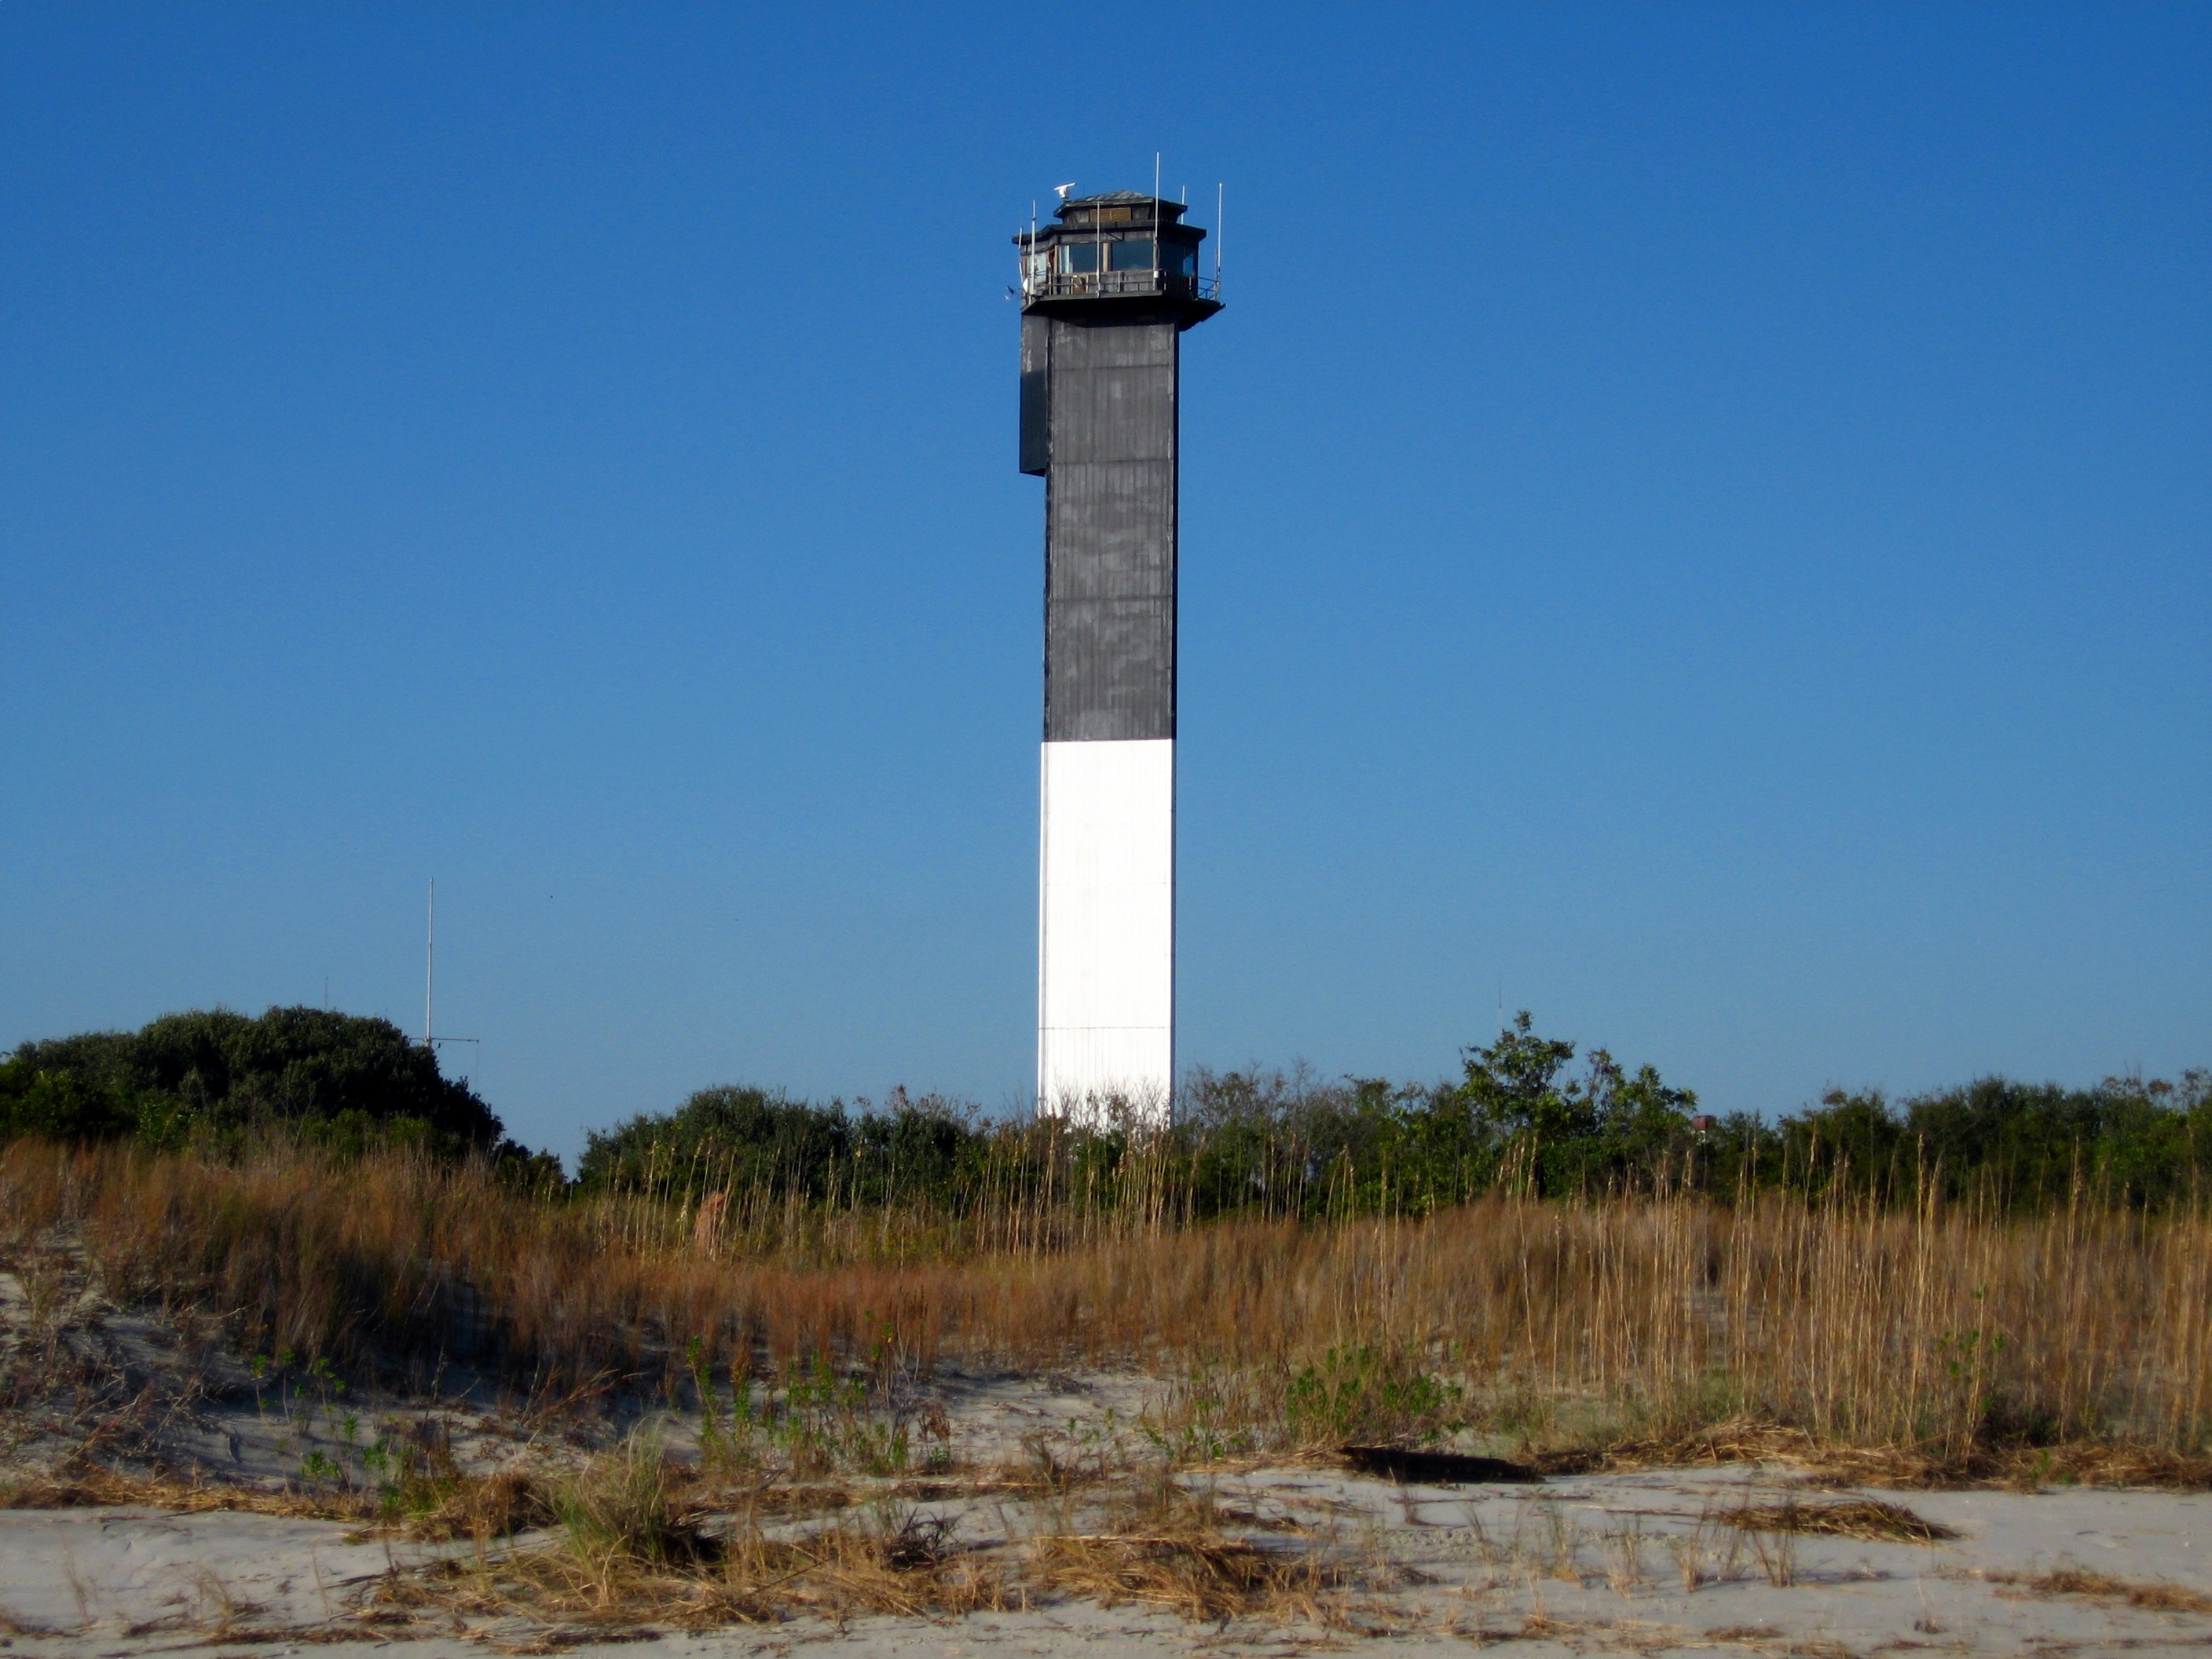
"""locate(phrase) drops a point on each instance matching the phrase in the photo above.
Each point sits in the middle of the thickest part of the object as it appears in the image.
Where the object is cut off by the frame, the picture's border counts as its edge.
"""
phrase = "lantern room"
(1117, 251)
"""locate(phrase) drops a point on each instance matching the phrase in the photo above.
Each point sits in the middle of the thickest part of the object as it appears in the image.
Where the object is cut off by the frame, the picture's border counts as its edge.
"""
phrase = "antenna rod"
(429, 961)
(1156, 219)
(1220, 201)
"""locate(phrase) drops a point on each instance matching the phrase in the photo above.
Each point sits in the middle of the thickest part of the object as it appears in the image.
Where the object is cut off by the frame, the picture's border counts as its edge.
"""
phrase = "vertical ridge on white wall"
(1106, 928)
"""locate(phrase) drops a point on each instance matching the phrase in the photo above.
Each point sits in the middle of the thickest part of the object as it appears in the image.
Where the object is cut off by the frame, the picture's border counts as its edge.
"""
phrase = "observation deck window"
(1131, 253)
(1132, 265)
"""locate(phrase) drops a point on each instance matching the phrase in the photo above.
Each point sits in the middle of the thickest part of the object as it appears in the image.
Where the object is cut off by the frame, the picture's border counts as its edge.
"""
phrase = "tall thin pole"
(429, 961)
(1156, 219)
(1220, 201)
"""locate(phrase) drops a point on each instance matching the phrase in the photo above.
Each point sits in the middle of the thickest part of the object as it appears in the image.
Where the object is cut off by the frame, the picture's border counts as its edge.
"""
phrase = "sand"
(1572, 1565)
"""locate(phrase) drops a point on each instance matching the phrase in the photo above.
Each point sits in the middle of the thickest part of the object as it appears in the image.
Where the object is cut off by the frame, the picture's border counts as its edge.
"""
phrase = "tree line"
(1523, 1116)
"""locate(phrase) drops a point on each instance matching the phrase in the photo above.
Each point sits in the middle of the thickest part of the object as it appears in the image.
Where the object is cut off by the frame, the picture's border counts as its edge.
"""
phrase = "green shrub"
(1521, 1117)
(334, 1079)
(1364, 1393)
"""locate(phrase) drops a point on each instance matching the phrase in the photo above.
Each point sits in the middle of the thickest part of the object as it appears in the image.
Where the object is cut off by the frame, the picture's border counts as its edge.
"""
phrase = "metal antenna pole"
(1156, 220)
(430, 1038)
(1220, 201)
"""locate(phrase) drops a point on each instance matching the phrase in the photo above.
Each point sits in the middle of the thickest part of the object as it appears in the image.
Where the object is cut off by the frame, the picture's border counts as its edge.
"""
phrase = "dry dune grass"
(1154, 1541)
(639, 1538)
(636, 1537)
(1203, 1578)
(2072, 1342)
(84, 1483)
(2024, 1464)
(481, 1507)
(2078, 1581)
(1870, 1519)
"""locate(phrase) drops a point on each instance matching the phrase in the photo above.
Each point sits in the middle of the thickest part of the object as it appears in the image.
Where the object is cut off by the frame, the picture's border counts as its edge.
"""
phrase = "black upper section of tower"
(1121, 253)
(1106, 295)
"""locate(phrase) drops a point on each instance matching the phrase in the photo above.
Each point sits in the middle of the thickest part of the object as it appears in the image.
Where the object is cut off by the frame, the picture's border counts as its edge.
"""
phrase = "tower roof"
(1129, 207)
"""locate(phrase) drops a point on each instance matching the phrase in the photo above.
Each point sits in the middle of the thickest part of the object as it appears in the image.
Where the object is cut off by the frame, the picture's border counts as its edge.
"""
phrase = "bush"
(1243, 1143)
(1521, 1117)
(2017, 1146)
(749, 1139)
(336, 1079)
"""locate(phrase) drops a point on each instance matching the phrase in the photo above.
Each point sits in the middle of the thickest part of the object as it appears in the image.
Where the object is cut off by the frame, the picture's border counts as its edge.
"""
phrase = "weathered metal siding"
(1037, 413)
(1110, 530)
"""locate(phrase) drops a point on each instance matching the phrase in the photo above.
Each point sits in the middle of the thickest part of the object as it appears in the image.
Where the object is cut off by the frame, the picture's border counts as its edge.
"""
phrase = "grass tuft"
(2079, 1580)
(1866, 1518)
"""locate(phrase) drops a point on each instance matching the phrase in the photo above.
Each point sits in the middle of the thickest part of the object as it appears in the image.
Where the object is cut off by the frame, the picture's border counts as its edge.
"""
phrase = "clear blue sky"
(1695, 523)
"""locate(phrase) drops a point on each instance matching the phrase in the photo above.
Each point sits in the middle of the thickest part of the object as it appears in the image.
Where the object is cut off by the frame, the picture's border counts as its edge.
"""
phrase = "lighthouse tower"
(1107, 292)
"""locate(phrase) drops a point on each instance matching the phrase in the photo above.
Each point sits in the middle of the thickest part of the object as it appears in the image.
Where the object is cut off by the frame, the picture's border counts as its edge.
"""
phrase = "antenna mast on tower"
(430, 1039)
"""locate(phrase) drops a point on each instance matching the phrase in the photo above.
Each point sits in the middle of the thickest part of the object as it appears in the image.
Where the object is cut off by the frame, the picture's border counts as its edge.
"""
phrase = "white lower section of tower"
(1106, 930)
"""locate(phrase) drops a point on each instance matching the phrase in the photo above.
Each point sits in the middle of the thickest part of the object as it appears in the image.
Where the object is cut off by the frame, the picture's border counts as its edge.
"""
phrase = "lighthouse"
(1107, 291)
